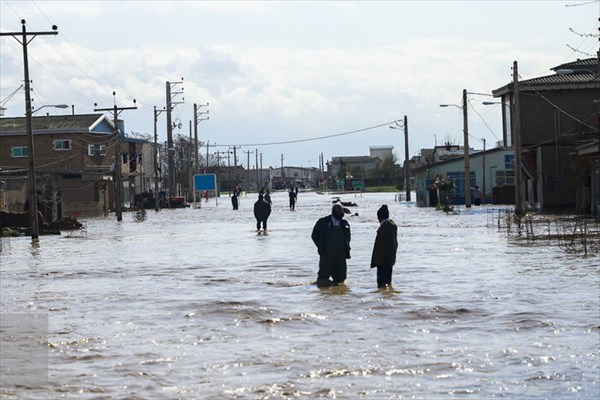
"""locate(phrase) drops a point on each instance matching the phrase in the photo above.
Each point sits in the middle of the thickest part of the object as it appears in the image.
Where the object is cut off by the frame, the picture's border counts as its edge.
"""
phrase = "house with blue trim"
(491, 170)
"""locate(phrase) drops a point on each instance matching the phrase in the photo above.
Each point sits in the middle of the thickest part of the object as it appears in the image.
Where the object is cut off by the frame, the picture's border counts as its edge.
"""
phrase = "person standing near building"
(331, 235)
(477, 195)
(292, 195)
(234, 197)
(262, 210)
(385, 247)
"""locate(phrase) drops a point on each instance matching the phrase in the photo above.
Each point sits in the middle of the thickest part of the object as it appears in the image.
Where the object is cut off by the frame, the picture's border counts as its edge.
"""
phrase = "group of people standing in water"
(331, 235)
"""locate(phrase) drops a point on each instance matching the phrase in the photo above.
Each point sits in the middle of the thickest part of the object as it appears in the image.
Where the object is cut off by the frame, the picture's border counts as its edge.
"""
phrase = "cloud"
(260, 66)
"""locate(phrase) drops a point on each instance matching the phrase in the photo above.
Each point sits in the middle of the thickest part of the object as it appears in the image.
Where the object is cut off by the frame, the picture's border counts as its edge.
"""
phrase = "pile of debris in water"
(17, 224)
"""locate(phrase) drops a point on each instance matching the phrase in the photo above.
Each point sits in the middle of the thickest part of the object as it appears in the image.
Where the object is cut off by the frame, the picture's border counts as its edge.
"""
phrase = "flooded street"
(192, 304)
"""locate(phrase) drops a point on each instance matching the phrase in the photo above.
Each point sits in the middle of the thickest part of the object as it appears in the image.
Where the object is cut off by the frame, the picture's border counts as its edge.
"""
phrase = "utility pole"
(282, 172)
(33, 209)
(170, 149)
(261, 171)
(248, 170)
(207, 146)
(197, 119)
(466, 151)
(156, 159)
(191, 192)
(516, 120)
(256, 167)
(218, 168)
(406, 160)
(229, 169)
(235, 177)
(156, 200)
(118, 158)
(406, 153)
(483, 168)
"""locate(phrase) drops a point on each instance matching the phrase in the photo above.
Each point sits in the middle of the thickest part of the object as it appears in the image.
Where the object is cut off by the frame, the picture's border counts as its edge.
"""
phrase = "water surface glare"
(193, 304)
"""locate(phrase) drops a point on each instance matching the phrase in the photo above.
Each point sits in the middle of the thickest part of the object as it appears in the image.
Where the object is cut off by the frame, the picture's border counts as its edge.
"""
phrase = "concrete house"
(491, 170)
(74, 163)
(559, 131)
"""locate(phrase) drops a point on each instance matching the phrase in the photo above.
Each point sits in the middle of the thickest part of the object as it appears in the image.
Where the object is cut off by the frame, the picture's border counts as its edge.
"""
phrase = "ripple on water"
(191, 304)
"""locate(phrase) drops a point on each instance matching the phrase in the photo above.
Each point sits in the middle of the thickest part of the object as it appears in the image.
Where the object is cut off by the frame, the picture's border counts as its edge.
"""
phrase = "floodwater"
(193, 304)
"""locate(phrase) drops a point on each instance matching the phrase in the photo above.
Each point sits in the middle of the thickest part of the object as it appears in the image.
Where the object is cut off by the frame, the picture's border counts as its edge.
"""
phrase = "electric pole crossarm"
(118, 159)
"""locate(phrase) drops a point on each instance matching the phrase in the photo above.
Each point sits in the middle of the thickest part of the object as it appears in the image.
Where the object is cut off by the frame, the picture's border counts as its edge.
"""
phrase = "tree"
(387, 169)
(449, 141)
(183, 161)
(443, 187)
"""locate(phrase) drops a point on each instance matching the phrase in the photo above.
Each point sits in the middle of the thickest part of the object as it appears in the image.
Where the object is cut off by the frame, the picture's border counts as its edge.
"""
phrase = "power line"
(484, 121)
(10, 96)
(310, 139)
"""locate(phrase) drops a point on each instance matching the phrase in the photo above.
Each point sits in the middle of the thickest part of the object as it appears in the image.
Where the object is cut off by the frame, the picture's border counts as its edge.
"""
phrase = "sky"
(296, 79)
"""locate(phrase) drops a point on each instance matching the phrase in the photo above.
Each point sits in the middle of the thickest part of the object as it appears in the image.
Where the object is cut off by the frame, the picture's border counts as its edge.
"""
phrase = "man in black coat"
(385, 247)
(331, 235)
(262, 210)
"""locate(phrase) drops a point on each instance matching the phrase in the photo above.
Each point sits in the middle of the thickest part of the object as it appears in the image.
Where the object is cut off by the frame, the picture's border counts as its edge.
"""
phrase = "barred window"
(506, 177)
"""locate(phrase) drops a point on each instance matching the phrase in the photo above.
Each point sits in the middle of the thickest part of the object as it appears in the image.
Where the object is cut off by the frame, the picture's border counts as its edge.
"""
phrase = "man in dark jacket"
(331, 235)
(262, 210)
(385, 247)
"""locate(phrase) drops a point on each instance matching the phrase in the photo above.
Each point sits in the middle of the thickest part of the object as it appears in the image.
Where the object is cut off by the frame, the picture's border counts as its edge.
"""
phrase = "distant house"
(286, 177)
(353, 166)
(382, 152)
(560, 121)
(74, 163)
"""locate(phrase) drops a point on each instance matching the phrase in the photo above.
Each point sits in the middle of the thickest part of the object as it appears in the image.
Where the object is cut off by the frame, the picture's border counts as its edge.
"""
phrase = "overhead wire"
(484, 122)
(309, 139)
(10, 96)
(75, 63)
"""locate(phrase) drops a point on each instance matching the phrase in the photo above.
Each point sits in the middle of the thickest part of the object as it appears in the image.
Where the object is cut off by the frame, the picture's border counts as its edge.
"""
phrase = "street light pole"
(467, 169)
(33, 210)
(156, 201)
(406, 152)
(466, 151)
(50, 105)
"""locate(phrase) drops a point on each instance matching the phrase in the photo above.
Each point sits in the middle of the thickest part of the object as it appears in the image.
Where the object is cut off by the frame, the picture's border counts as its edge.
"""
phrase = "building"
(381, 152)
(559, 134)
(286, 177)
(490, 170)
(74, 163)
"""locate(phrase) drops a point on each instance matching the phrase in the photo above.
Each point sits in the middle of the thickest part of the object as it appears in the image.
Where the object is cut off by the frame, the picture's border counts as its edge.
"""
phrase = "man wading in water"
(331, 235)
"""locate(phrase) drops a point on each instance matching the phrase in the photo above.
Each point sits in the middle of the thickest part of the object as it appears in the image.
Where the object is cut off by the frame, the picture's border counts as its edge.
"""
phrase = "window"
(91, 150)
(62, 145)
(459, 182)
(505, 178)
(19, 152)
(102, 149)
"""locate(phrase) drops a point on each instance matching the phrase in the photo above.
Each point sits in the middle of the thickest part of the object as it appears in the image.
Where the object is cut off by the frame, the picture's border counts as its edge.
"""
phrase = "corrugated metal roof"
(80, 122)
(582, 77)
(554, 82)
(588, 63)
